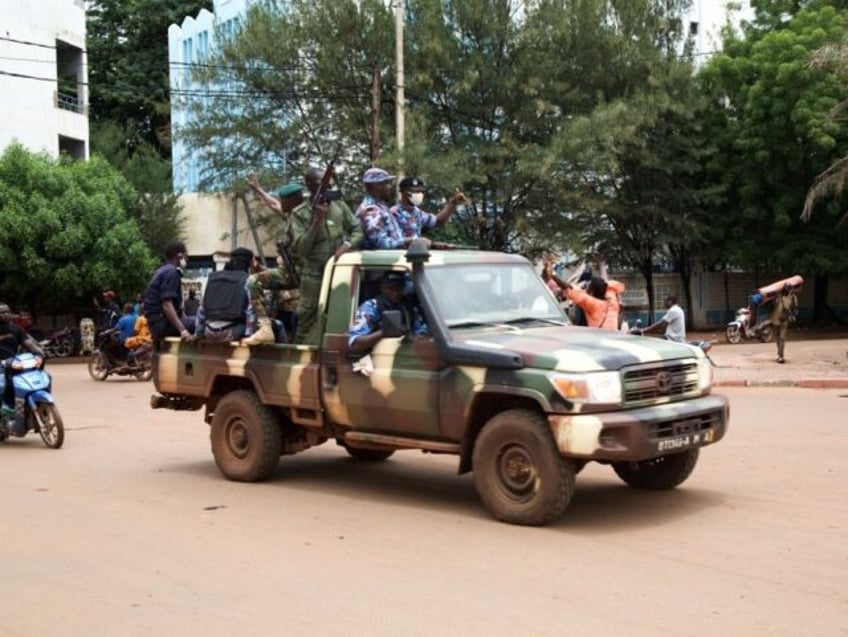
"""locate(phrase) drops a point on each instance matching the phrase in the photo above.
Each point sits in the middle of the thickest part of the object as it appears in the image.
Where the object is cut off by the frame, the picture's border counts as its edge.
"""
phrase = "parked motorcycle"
(35, 409)
(107, 359)
(58, 343)
(741, 327)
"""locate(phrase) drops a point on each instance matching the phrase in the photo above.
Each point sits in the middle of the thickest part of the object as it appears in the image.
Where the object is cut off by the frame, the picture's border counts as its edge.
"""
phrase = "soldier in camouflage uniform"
(327, 230)
(279, 278)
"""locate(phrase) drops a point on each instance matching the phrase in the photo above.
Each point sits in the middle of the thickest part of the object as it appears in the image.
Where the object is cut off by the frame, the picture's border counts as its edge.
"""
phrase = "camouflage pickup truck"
(523, 399)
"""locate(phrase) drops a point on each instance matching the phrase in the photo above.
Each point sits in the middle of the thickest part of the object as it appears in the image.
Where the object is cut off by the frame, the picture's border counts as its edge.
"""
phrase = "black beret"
(410, 182)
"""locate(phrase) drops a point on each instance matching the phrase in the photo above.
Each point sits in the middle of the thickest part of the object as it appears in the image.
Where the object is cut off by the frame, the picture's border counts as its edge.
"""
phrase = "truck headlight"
(591, 387)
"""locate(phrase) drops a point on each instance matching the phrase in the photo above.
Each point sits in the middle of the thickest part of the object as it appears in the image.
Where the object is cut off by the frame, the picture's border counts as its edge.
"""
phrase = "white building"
(43, 76)
(706, 18)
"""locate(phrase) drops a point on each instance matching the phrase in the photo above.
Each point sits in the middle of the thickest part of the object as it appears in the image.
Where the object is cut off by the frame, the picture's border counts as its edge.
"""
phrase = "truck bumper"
(642, 434)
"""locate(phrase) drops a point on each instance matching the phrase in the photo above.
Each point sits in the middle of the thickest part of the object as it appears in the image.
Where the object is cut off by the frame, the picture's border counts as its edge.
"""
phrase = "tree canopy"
(66, 231)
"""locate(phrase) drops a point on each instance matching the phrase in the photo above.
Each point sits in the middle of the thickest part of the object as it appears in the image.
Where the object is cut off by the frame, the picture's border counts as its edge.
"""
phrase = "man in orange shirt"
(600, 301)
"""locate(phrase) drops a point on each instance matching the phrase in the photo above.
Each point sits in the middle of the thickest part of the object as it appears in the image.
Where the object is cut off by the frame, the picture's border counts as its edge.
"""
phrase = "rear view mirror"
(392, 324)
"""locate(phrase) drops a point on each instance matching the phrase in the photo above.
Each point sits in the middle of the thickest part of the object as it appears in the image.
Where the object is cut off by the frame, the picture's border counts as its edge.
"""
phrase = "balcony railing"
(69, 103)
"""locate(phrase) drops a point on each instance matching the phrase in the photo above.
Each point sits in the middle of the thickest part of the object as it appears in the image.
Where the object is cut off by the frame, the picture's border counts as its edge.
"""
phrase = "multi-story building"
(43, 76)
(706, 18)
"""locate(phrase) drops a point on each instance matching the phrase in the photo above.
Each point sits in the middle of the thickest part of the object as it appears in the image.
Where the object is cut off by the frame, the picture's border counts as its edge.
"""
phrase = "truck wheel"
(246, 437)
(665, 472)
(368, 455)
(732, 334)
(518, 472)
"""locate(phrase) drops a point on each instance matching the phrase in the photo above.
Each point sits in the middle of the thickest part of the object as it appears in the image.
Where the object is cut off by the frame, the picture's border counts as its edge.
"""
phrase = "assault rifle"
(323, 194)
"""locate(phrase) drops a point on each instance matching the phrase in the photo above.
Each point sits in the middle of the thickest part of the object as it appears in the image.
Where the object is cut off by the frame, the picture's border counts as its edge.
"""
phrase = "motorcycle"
(35, 409)
(58, 344)
(741, 327)
(704, 345)
(107, 359)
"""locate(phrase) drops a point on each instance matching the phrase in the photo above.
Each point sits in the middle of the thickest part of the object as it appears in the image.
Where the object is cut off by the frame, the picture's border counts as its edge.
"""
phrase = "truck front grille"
(644, 384)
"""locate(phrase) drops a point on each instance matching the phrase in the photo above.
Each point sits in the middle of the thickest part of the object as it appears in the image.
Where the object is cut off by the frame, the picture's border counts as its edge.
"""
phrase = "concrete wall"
(28, 49)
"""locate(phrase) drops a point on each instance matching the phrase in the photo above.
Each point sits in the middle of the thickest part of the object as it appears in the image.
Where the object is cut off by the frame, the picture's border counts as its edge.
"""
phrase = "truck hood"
(574, 349)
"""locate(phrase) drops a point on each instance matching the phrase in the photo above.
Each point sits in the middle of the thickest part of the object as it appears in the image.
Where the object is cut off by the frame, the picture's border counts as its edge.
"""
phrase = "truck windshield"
(492, 293)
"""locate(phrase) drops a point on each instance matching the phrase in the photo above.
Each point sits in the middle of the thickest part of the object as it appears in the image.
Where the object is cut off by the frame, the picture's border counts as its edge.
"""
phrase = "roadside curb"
(821, 383)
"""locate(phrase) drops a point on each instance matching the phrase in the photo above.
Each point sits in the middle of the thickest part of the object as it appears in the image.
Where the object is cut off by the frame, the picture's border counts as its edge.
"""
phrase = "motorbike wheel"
(50, 425)
(145, 374)
(98, 368)
(63, 348)
(732, 334)
(766, 333)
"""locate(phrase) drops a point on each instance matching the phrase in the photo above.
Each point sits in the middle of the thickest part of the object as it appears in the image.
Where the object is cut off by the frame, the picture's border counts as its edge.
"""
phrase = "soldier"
(785, 309)
(279, 278)
(381, 230)
(225, 313)
(367, 330)
(320, 232)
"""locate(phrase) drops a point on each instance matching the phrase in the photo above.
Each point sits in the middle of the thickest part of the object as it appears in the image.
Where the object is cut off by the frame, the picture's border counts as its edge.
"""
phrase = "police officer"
(411, 219)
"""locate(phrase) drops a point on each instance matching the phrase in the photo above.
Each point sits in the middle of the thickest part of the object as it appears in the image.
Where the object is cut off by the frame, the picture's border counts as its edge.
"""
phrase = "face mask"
(183, 263)
(416, 198)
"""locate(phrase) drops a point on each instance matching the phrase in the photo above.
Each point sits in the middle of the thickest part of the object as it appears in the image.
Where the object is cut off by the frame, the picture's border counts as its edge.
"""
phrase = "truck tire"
(246, 437)
(368, 455)
(665, 472)
(518, 472)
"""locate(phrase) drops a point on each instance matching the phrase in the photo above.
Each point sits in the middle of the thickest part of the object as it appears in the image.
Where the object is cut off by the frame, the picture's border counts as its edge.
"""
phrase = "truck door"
(400, 396)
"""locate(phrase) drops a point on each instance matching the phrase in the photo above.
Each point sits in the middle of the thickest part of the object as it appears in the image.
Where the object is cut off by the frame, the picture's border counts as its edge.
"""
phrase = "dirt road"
(130, 530)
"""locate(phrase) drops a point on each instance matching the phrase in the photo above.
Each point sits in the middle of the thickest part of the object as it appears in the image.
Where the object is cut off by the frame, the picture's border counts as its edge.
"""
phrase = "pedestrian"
(784, 312)
(226, 313)
(411, 219)
(164, 297)
(674, 321)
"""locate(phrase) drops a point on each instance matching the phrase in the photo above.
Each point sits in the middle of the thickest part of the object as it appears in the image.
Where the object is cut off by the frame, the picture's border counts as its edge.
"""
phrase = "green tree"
(66, 232)
(157, 210)
(830, 183)
(774, 136)
(128, 64)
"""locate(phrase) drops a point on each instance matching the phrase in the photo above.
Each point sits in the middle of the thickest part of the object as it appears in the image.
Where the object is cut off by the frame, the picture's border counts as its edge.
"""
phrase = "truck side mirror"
(392, 324)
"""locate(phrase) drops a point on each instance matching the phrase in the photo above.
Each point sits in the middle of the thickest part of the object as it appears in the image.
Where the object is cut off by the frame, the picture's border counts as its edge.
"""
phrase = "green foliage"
(128, 64)
(774, 136)
(65, 231)
(157, 209)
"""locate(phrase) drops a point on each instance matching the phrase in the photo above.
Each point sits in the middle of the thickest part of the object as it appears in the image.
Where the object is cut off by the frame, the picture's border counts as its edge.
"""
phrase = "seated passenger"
(367, 327)
(225, 314)
(141, 333)
(125, 329)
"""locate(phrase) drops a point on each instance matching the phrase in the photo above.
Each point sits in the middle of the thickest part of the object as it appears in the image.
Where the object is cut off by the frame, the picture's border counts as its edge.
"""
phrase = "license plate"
(687, 440)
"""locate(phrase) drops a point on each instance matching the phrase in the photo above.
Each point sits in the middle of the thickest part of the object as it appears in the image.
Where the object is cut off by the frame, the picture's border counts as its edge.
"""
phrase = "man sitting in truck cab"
(367, 327)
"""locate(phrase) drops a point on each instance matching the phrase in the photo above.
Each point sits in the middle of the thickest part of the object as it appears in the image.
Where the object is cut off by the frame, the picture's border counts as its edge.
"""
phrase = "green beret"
(288, 190)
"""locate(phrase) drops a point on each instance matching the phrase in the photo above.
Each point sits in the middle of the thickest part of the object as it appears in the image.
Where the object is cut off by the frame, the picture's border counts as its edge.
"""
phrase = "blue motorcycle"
(35, 409)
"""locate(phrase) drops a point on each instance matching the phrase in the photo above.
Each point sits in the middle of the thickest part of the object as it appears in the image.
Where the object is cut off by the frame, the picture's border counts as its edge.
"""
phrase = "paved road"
(130, 530)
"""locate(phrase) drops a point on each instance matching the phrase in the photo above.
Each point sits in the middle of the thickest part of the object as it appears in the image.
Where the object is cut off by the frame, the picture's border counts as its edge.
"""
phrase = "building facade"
(706, 18)
(43, 76)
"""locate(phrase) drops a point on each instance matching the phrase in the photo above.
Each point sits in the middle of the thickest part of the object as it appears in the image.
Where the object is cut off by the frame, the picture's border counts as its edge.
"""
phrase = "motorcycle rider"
(674, 321)
(12, 338)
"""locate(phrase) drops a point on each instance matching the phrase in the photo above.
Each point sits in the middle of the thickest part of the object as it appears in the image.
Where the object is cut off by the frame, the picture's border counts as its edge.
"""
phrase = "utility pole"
(400, 98)
(375, 114)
